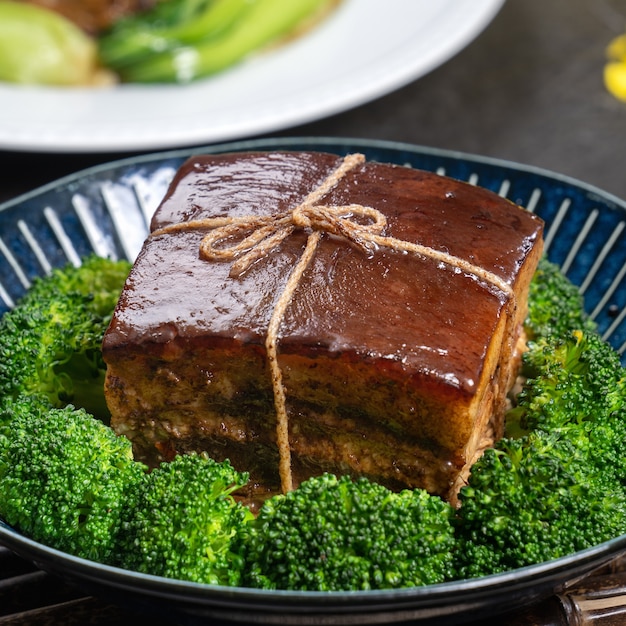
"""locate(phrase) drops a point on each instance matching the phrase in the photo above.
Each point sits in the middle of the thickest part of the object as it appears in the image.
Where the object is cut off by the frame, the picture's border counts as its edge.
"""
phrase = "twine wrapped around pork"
(245, 240)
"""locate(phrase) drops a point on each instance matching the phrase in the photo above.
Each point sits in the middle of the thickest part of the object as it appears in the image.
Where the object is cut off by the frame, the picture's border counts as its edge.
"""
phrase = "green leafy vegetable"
(182, 40)
(39, 46)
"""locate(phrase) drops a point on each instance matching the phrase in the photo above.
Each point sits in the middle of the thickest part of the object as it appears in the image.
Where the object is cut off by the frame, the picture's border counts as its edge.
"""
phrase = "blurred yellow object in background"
(615, 79)
(616, 50)
(615, 69)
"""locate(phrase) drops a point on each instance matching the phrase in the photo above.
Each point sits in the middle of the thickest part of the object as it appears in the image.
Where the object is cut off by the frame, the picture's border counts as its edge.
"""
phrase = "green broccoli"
(50, 343)
(557, 482)
(335, 534)
(531, 500)
(555, 304)
(577, 389)
(181, 521)
(63, 478)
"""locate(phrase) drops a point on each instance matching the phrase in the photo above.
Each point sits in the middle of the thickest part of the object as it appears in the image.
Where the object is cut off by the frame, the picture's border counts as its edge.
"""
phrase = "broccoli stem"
(264, 22)
(88, 395)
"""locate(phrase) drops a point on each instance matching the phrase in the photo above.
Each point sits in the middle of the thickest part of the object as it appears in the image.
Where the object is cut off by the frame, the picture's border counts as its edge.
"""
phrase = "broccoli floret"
(577, 389)
(63, 477)
(182, 519)
(335, 534)
(532, 500)
(572, 378)
(555, 304)
(50, 343)
(66, 478)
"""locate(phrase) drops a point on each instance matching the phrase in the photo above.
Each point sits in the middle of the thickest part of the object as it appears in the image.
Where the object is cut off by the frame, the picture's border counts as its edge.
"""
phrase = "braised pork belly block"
(394, 349)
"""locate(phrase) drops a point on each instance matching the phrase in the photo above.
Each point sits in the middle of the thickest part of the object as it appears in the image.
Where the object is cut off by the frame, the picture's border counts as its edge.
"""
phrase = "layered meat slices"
(395, 363)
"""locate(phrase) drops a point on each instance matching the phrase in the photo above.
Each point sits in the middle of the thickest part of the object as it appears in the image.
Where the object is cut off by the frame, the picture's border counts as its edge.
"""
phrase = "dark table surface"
(529, 89)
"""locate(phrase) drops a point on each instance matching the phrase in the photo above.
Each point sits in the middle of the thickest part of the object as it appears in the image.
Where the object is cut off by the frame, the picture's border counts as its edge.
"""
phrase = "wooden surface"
(529, 89)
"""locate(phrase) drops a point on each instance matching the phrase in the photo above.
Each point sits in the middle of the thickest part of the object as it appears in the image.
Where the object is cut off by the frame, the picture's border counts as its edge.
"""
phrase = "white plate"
(365, 49)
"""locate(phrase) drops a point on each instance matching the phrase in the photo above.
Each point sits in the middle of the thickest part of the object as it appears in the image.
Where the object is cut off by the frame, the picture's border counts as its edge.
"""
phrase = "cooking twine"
(244, 240)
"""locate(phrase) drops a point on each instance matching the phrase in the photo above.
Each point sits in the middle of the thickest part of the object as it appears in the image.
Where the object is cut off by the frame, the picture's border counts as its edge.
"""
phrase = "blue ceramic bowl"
(107, 209)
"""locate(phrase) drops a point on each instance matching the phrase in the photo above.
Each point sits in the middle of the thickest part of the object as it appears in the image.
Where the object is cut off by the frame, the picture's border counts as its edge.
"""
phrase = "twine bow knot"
(246, 240)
